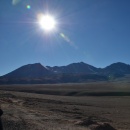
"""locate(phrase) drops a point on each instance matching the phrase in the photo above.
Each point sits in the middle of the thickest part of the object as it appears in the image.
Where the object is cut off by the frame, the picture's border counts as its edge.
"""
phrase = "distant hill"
(72, 73)
(29, 71)
(117, 68)
(75, 68)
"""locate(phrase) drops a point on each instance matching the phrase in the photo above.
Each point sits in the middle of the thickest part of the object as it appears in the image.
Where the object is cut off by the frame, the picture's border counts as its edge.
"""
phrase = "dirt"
(30, 111)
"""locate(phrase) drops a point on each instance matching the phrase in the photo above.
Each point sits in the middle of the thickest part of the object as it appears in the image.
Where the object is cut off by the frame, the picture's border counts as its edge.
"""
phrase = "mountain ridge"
(75, 72)
(73, 68)
(29, 70)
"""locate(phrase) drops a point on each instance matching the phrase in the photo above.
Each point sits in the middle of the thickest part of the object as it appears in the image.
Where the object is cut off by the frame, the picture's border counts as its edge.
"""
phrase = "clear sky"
(96, 32)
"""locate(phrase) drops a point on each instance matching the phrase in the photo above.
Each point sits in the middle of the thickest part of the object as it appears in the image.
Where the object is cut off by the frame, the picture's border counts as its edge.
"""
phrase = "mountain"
(116, 68)
(72, 73)
(29, 71)
(79, 68)
(55, 78)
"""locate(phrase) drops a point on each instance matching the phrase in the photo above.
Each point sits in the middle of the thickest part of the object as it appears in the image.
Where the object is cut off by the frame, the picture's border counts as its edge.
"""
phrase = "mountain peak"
(117, 68)
(80, 67)
(75, 72)
(35, 64)
(82, 63)
(118, 64)
(29, 71)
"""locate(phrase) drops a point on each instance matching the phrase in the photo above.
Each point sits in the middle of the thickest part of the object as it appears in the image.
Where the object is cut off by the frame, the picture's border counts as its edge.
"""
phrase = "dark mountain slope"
(116, 68)
(72, 73)
(29, 71)
(54, 79)
(75, 68)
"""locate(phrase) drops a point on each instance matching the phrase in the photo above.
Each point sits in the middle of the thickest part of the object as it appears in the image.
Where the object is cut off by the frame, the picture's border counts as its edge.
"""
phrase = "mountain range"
(72, 73)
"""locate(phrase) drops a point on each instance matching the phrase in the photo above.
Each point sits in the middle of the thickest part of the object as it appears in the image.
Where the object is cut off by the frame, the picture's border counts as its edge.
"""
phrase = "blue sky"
(98, 33)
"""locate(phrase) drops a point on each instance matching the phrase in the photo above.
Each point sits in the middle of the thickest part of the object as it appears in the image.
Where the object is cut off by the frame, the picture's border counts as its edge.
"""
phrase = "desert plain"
(86, 106)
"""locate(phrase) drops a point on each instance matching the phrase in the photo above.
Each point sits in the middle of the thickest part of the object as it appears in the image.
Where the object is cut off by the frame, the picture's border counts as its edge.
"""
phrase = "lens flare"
(15, 2)
(28, 7)
(67, 39)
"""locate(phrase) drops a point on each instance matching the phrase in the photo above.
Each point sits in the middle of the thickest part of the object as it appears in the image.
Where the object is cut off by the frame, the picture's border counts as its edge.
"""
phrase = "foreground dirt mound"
(93, 125)
(86, 122)
(104, 126)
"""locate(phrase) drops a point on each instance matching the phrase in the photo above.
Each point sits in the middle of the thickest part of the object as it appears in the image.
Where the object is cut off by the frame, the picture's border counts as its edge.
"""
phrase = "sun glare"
(47, 22)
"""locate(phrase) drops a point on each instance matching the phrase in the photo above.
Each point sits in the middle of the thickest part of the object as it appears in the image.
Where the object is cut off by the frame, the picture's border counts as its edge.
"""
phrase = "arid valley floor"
(66, 106)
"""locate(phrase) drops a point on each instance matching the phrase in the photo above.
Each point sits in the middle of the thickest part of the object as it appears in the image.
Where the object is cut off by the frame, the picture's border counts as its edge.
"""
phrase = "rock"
(86, 122)
(104, 126)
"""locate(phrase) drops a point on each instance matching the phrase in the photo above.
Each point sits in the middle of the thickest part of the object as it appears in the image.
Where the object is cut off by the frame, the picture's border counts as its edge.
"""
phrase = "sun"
(47, 22)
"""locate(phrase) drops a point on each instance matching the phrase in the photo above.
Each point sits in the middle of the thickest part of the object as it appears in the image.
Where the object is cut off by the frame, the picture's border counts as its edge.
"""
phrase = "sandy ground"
(29, 111)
